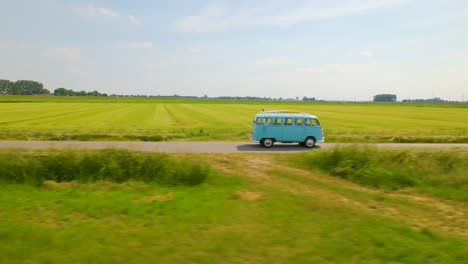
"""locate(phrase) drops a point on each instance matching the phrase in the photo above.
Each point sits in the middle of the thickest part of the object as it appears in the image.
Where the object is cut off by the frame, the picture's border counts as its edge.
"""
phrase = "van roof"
(284, 114)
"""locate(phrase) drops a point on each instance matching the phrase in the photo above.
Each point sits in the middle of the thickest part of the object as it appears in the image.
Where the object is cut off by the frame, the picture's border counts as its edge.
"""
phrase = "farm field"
(250, 208)
(52, 118)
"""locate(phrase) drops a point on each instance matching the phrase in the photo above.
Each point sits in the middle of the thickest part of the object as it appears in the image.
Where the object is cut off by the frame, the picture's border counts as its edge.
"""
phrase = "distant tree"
(68, 92)
(385, 98)
(25, 87)
(61, 92)
(6, 87)
(80, 93)
(307, 99)
(22, 87)
(430, 100)
(93, 93)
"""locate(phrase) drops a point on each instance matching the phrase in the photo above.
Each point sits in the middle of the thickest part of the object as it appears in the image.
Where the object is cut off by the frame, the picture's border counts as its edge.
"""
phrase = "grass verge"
(438, 172)
(106, 165)
(228, 218)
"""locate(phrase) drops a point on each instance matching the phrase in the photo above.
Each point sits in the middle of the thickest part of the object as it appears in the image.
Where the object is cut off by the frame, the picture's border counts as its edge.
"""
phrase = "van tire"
(309, 142)
(267, 142)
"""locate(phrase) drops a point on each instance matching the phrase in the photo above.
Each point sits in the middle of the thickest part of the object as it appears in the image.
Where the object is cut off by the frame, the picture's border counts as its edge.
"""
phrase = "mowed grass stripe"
(176, 120)
(206, 120)
(75, 120)
(92, 120)
(162, 116)
(439, 113)
(207, 115)
(134, 118)
(219, 115)
(29, 114)
(216, 118)
(186, 118)
(150, 117)
(142, 118)
(396, 120)
(452, 116)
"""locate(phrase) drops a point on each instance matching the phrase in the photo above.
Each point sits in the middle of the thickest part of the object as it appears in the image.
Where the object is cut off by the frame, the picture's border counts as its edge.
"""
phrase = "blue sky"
(333, 50)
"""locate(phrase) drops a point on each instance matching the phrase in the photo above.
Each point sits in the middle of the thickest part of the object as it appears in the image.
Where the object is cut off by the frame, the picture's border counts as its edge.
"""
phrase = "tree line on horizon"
(69, 92)
(393, 98)
(22, 87)
(26, 87)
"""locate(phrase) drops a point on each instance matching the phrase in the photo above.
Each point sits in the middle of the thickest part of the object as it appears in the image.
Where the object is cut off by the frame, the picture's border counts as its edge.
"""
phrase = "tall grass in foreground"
(438, 172)
(89, 166)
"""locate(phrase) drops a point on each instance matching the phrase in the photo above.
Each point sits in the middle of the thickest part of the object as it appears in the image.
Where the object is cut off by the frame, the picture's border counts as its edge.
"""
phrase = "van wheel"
(309, 142)
(267, 142)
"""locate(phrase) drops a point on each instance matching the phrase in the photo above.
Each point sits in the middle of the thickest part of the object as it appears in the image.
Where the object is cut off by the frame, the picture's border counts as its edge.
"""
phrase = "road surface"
(201, 147)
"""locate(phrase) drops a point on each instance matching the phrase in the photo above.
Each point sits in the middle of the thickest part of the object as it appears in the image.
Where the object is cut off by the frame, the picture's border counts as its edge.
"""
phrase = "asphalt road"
(201, 147)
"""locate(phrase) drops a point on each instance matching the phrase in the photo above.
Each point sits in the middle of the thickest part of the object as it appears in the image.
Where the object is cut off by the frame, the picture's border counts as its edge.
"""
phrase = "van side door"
(276, 129)
(290, 130)
(301, 131)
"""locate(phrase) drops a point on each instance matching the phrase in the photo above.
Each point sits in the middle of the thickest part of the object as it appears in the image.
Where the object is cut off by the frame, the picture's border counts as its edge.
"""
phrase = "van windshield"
(311, 122)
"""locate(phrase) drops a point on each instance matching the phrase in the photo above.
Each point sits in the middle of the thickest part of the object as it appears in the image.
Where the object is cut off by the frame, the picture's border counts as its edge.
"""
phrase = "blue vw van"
(286, 127)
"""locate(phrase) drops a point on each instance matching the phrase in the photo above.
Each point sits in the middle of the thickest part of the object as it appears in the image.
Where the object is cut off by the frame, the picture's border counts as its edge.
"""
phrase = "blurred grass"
(107, 165)
(438, 172)
(149, 119)
(95, 221)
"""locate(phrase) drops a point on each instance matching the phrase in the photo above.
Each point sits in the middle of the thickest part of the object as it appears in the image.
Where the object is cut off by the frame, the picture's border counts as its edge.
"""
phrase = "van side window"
(299, 121)
(288, 121)
(266, 121)
(278, 121)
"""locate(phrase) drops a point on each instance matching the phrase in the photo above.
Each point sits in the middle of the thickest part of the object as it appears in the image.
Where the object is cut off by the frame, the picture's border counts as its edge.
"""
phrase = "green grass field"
(56, 118)
(250, 209)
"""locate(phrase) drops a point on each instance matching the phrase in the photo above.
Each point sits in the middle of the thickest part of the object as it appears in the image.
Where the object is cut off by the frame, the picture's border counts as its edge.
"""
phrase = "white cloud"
(96, 11)
(310, 70)
(274, 61)
(76, 70)
(195, 50)
(70, 54)
(7, 44)
(217, 18)
(346, 8)
(336, 69)
(366, 53)
(92, 10)
(133, 20)
(13, 44)
(138, 45)
(384, 47)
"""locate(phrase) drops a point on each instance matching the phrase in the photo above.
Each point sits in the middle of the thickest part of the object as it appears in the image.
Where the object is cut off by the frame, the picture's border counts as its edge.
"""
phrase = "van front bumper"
(252, 138)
